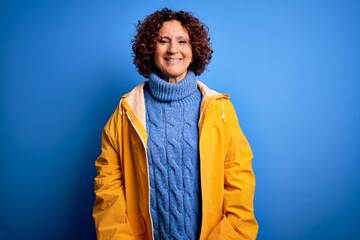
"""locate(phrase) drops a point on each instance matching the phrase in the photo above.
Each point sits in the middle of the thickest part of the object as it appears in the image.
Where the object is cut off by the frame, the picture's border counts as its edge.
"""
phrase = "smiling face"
(173, 53)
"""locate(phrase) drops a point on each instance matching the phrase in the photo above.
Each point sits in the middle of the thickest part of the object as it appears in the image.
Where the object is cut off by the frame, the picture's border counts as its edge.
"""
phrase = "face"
(173, 53)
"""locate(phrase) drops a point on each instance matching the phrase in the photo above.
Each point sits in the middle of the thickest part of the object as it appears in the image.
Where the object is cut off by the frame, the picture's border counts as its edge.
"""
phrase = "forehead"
(173, 28)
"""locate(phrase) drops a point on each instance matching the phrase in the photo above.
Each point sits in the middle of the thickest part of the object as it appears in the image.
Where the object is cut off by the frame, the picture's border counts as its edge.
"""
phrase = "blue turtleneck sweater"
(172, 114)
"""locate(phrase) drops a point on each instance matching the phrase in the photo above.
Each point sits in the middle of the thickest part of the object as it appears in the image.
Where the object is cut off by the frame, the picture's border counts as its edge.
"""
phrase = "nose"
(173, 48)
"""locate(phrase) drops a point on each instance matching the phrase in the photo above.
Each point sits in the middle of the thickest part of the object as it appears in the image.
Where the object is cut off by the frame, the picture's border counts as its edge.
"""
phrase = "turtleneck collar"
(164, 91)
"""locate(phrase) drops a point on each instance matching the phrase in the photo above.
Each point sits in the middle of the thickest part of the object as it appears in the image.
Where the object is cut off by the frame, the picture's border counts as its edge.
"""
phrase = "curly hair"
(144, 43)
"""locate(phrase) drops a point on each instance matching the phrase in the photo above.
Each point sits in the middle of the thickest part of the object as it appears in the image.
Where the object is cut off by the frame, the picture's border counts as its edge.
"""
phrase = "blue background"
(292, 69)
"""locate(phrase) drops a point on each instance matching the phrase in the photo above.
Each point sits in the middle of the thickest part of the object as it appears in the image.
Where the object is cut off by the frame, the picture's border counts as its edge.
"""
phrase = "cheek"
(157, 57)
(156, 54)
(190, 54)
(159, 52)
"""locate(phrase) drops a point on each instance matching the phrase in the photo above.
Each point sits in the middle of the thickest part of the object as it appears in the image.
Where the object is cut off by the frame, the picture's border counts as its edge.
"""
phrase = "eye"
(163, 41)
(182, 42)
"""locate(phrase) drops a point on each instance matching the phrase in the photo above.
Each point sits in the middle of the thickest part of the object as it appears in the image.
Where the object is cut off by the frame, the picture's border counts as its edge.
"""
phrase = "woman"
(174, 162)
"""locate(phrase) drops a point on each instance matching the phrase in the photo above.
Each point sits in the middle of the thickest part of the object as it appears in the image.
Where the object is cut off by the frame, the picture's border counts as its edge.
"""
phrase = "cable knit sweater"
(172, 113)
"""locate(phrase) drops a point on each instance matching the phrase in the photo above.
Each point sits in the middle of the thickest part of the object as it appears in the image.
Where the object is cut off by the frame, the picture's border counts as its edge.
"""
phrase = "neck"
(174, 79)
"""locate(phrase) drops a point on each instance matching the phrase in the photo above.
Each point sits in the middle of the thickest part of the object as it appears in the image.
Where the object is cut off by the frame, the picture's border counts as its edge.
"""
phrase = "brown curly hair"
(144, 43)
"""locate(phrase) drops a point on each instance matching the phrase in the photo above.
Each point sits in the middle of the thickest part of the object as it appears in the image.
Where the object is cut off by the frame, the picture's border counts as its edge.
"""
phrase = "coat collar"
(134, 101)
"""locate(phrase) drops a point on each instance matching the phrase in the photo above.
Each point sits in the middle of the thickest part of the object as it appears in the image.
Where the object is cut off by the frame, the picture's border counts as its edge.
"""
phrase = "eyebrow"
(178, 37)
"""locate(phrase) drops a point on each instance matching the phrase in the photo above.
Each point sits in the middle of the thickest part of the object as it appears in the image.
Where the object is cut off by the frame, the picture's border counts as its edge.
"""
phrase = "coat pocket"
(223, 230)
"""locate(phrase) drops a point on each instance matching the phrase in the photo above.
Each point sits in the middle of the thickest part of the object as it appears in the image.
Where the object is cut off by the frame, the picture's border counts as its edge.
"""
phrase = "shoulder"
(208, 92)
(213, 97)
(136, 91)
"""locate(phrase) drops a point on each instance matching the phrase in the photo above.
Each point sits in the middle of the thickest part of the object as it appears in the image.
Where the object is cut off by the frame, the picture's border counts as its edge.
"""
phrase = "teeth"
(172, 59)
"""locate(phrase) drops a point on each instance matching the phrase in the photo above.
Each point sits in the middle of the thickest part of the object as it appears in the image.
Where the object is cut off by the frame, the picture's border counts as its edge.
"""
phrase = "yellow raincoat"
(121, 210)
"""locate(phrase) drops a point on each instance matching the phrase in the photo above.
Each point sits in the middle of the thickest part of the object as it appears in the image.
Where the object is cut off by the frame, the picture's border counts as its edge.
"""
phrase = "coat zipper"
(147, 168)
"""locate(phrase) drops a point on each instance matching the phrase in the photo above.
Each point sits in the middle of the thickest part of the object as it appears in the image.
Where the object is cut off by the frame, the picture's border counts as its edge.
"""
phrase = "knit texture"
(172, 113)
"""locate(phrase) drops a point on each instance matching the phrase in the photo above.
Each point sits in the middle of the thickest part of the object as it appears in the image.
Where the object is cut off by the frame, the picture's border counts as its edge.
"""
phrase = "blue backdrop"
(292, 69)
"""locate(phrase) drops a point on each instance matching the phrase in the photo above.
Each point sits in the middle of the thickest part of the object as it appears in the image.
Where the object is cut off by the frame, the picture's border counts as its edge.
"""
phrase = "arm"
(239, 184)
(109, 208)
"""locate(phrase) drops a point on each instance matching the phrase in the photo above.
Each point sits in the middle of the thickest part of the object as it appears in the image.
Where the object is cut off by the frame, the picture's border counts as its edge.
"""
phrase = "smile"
(173, 60)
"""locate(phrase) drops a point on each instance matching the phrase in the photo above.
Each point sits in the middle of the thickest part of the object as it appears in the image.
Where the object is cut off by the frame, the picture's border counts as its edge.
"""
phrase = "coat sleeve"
(110, 207)
(238, 220)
